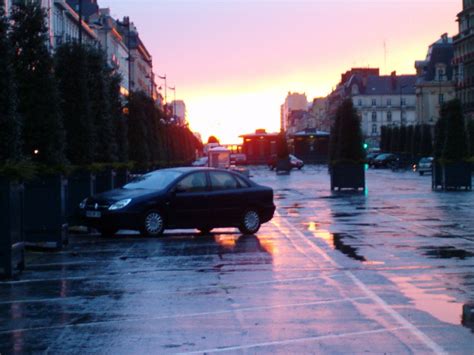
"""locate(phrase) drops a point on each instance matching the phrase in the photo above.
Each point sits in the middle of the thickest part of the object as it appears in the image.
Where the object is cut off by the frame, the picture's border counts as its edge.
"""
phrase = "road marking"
(186, 315)
(293, 341)
(428, 342)
(185, 289)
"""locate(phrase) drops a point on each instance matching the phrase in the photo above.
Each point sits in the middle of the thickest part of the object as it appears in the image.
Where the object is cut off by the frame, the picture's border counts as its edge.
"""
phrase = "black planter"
(283, 166)
(104, 181)
(347, 177)
(12, 246)
(121, 178)
(80, 186)
(456, 176)
(436, 176)
(45, 220)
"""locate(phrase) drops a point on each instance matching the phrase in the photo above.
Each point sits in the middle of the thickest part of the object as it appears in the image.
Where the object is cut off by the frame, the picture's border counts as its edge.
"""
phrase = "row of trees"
(413, 140)
(67, 108)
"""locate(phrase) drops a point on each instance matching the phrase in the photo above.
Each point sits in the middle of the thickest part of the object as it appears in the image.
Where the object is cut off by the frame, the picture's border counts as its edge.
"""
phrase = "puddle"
(447, 252)
(338, 241)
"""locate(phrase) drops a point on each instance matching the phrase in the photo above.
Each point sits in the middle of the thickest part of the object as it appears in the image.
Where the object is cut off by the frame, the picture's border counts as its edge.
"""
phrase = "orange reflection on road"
(225, 241)
(322, 234)
(436, 303)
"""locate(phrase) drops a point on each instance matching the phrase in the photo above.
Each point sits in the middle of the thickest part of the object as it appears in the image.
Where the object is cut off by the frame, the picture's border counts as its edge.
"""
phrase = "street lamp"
(174, 99)
(166, 93)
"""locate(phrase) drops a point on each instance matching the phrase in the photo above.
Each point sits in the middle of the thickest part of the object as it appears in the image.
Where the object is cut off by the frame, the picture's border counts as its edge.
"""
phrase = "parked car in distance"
(370, 158)
(238, 159)
(294, 162)
(384, 160)
(424, 165)
(202, 198)
(203, 161)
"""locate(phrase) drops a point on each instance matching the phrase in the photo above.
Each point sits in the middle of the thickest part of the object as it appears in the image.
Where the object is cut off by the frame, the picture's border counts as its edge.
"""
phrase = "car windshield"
(157, 180)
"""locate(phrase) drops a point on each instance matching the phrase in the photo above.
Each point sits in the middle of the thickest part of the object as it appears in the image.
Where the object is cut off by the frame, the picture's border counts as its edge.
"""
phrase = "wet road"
(388, 271)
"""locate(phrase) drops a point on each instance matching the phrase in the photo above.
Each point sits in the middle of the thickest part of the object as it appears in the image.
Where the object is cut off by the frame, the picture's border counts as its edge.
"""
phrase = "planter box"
(347, 176)
(283, 166)
(12, 246)
(104, 181)
(121, 178)
(456, 176)
(436, 176)
(80, 186)
(45, 222)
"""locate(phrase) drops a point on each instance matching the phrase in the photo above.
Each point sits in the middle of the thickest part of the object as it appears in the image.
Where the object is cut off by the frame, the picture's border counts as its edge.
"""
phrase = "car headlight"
(82, 205)
(120, 204)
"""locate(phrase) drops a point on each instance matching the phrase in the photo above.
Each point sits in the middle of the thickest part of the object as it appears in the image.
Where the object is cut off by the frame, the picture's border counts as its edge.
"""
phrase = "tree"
(395, 140)
(403, 137)
(409, 140)
(10, 124)
(416, 141)
(119, 119)
(38, 104)
(346, 136)
(138, 134)
(456, 144)
(282, 146)
(72, 74)
(212, 139)
(99, 76)
(426, 145)
(470, 128)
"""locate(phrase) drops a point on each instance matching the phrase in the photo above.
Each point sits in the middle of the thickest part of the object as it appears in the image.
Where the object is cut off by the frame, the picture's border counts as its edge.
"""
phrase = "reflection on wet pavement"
(386, 272)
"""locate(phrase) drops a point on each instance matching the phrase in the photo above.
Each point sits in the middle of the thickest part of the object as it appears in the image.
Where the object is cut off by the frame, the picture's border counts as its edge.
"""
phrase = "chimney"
(393, 79)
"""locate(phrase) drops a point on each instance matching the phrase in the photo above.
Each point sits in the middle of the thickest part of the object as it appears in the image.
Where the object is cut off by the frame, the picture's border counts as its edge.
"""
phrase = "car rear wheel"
(250, 223)
(153, 224)
(205, 230)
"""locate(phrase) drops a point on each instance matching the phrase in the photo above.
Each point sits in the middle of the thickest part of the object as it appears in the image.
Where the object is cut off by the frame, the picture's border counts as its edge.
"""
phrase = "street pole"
(80, 22)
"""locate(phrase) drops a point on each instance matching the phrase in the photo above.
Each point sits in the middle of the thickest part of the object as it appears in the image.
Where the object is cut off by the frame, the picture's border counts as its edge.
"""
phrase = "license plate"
(93, 214)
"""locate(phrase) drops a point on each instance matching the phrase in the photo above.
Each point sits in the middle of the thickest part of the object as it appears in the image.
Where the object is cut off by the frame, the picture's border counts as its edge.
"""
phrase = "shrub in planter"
(45, 222)
(283, 165)
(347, 153)
(12, 254)
(455, 167)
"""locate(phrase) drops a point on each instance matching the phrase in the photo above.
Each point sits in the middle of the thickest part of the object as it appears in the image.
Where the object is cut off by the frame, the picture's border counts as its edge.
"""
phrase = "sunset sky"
(234, 61)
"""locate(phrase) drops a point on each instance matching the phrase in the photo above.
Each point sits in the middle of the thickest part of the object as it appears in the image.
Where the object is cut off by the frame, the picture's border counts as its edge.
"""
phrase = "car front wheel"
(153, 224)
(250, 223)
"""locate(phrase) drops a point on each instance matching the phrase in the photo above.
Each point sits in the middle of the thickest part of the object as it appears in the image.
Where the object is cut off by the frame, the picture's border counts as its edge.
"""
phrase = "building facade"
(464, 58)
(179, 111)
(142, 77)
(293, 102)
(113, 44)
(383, 101)
(435, 80)
(319, 115)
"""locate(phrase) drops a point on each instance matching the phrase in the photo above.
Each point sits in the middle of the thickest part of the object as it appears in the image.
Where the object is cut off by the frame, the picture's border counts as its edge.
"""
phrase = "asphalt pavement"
(390, 270)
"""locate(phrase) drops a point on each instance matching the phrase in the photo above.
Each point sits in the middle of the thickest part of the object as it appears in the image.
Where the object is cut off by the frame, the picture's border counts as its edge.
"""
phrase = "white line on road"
(375, 298)
(293, 341)
(186, 315)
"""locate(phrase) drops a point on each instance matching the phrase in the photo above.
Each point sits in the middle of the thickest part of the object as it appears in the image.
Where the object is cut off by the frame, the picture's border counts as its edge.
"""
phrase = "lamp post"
(174, 99)
(166, 93)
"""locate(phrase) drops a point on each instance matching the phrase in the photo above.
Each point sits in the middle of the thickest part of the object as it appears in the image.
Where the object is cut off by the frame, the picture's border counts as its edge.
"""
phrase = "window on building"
(403, 101)
(360, 102)
(389, 116)
(374, 116)
(374, 129)
(389, 102)
(374, 102)
(441, 99)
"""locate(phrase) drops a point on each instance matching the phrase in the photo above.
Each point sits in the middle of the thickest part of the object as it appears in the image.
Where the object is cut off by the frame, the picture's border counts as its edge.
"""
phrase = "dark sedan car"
(384, 160)
(201, 198)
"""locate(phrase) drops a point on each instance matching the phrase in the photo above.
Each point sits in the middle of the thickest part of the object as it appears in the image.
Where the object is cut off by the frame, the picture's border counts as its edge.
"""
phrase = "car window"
(156, 180)
(242, 182)
(193, 183)
(223, 181)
